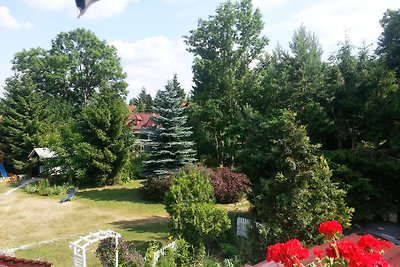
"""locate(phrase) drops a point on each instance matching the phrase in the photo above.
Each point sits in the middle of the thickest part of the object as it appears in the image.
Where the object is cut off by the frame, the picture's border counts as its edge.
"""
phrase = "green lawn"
(30, 219)
(4, 187)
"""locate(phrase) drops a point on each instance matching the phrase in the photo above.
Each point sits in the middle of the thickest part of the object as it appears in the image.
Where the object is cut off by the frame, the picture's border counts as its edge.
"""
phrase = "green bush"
(298, 192)
(134, 167)
(168, 259)
(152, 248)
(44, 188)
(371, 178)
(191, 205)
(154, 189)
(127, 255)
(182, 253)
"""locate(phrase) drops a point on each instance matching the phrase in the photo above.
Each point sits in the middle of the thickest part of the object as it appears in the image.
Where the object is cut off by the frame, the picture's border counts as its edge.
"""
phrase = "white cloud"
(107, 8)
(265, 5)
(331, 20)
(98, 10)
(54, 5)
(152, 61)
(9, 22)
(178, 1)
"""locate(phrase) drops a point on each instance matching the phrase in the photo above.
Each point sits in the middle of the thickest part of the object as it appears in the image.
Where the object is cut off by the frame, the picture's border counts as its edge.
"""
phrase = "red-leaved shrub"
(154, 189)
(229, 186)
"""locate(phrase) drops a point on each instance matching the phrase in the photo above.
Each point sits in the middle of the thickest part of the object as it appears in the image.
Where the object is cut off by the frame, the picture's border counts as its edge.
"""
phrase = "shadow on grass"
(113, 194)
(154, 224)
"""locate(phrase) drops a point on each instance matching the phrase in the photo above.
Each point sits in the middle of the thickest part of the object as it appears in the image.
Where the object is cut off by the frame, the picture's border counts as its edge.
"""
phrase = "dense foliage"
(70, 99)
(347, 102)
(194, 216)
(43, 187)
(105, 139)
(285, 119)
(156, 189)
(21, 127)
(143, 103)
(298, 188)
(229, 186)
(225, 45)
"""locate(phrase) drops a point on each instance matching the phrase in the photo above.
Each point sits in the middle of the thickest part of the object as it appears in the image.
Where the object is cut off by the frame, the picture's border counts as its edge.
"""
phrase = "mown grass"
(29, 219)
(4, 187)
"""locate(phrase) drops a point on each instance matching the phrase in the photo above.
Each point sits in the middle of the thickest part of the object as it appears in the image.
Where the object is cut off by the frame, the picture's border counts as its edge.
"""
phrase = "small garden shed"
(37, 157)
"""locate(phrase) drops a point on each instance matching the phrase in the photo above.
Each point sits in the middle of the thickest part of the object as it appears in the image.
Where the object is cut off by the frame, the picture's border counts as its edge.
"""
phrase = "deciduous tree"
(225, 45)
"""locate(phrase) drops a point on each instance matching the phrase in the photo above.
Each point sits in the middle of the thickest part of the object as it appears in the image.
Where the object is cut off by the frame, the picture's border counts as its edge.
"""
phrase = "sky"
(148, 34)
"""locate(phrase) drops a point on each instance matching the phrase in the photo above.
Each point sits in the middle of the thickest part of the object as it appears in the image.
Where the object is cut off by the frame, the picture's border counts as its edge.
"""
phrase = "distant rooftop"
(42, 153)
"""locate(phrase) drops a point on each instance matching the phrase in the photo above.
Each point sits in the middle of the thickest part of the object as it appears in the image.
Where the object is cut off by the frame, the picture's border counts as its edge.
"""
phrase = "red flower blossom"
(367, 252)
(329, 228)
(370, 243)
(289, 253)
(319, 253)
(365, 259)
(345, 248)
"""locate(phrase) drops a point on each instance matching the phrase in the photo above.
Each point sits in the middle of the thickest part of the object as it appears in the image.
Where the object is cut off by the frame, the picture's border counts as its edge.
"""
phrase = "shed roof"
(42, 153)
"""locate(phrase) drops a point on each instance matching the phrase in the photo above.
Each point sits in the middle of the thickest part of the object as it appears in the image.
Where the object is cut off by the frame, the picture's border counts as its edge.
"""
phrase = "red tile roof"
(140, 121)
(19, 262)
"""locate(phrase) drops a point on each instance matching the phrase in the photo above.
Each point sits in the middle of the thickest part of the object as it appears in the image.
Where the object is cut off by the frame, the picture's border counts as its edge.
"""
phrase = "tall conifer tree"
(20, 125)
(105, 141)
(171, 145)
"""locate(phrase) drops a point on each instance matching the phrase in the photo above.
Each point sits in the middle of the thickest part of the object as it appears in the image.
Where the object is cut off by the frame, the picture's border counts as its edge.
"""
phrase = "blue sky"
(148, 33)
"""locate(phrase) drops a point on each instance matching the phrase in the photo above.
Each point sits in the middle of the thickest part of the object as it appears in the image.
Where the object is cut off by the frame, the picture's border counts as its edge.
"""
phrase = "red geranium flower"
(369, 243)
(329, 228)
(319, 253)
(289, 253)
(365, 259)
(345, 248)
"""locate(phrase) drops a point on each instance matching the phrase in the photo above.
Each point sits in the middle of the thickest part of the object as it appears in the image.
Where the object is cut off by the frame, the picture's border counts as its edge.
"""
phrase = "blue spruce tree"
(171, 147)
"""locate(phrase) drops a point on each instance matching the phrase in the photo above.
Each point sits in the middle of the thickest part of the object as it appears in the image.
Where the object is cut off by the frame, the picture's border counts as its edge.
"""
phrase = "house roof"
(140, 121)
(42, 153)
(392, 255)
(13, 261)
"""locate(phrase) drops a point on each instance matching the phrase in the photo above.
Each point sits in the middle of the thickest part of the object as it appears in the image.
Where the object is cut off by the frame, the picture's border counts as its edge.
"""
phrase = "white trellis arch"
(83, 242)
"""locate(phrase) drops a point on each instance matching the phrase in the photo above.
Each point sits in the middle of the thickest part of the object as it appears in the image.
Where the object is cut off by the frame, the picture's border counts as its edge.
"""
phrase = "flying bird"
(83, 5)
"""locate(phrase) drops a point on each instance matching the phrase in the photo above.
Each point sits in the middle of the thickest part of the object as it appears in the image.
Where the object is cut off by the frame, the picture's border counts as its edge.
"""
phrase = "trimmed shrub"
(229, 186)
(154, 189)
(194, 216)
